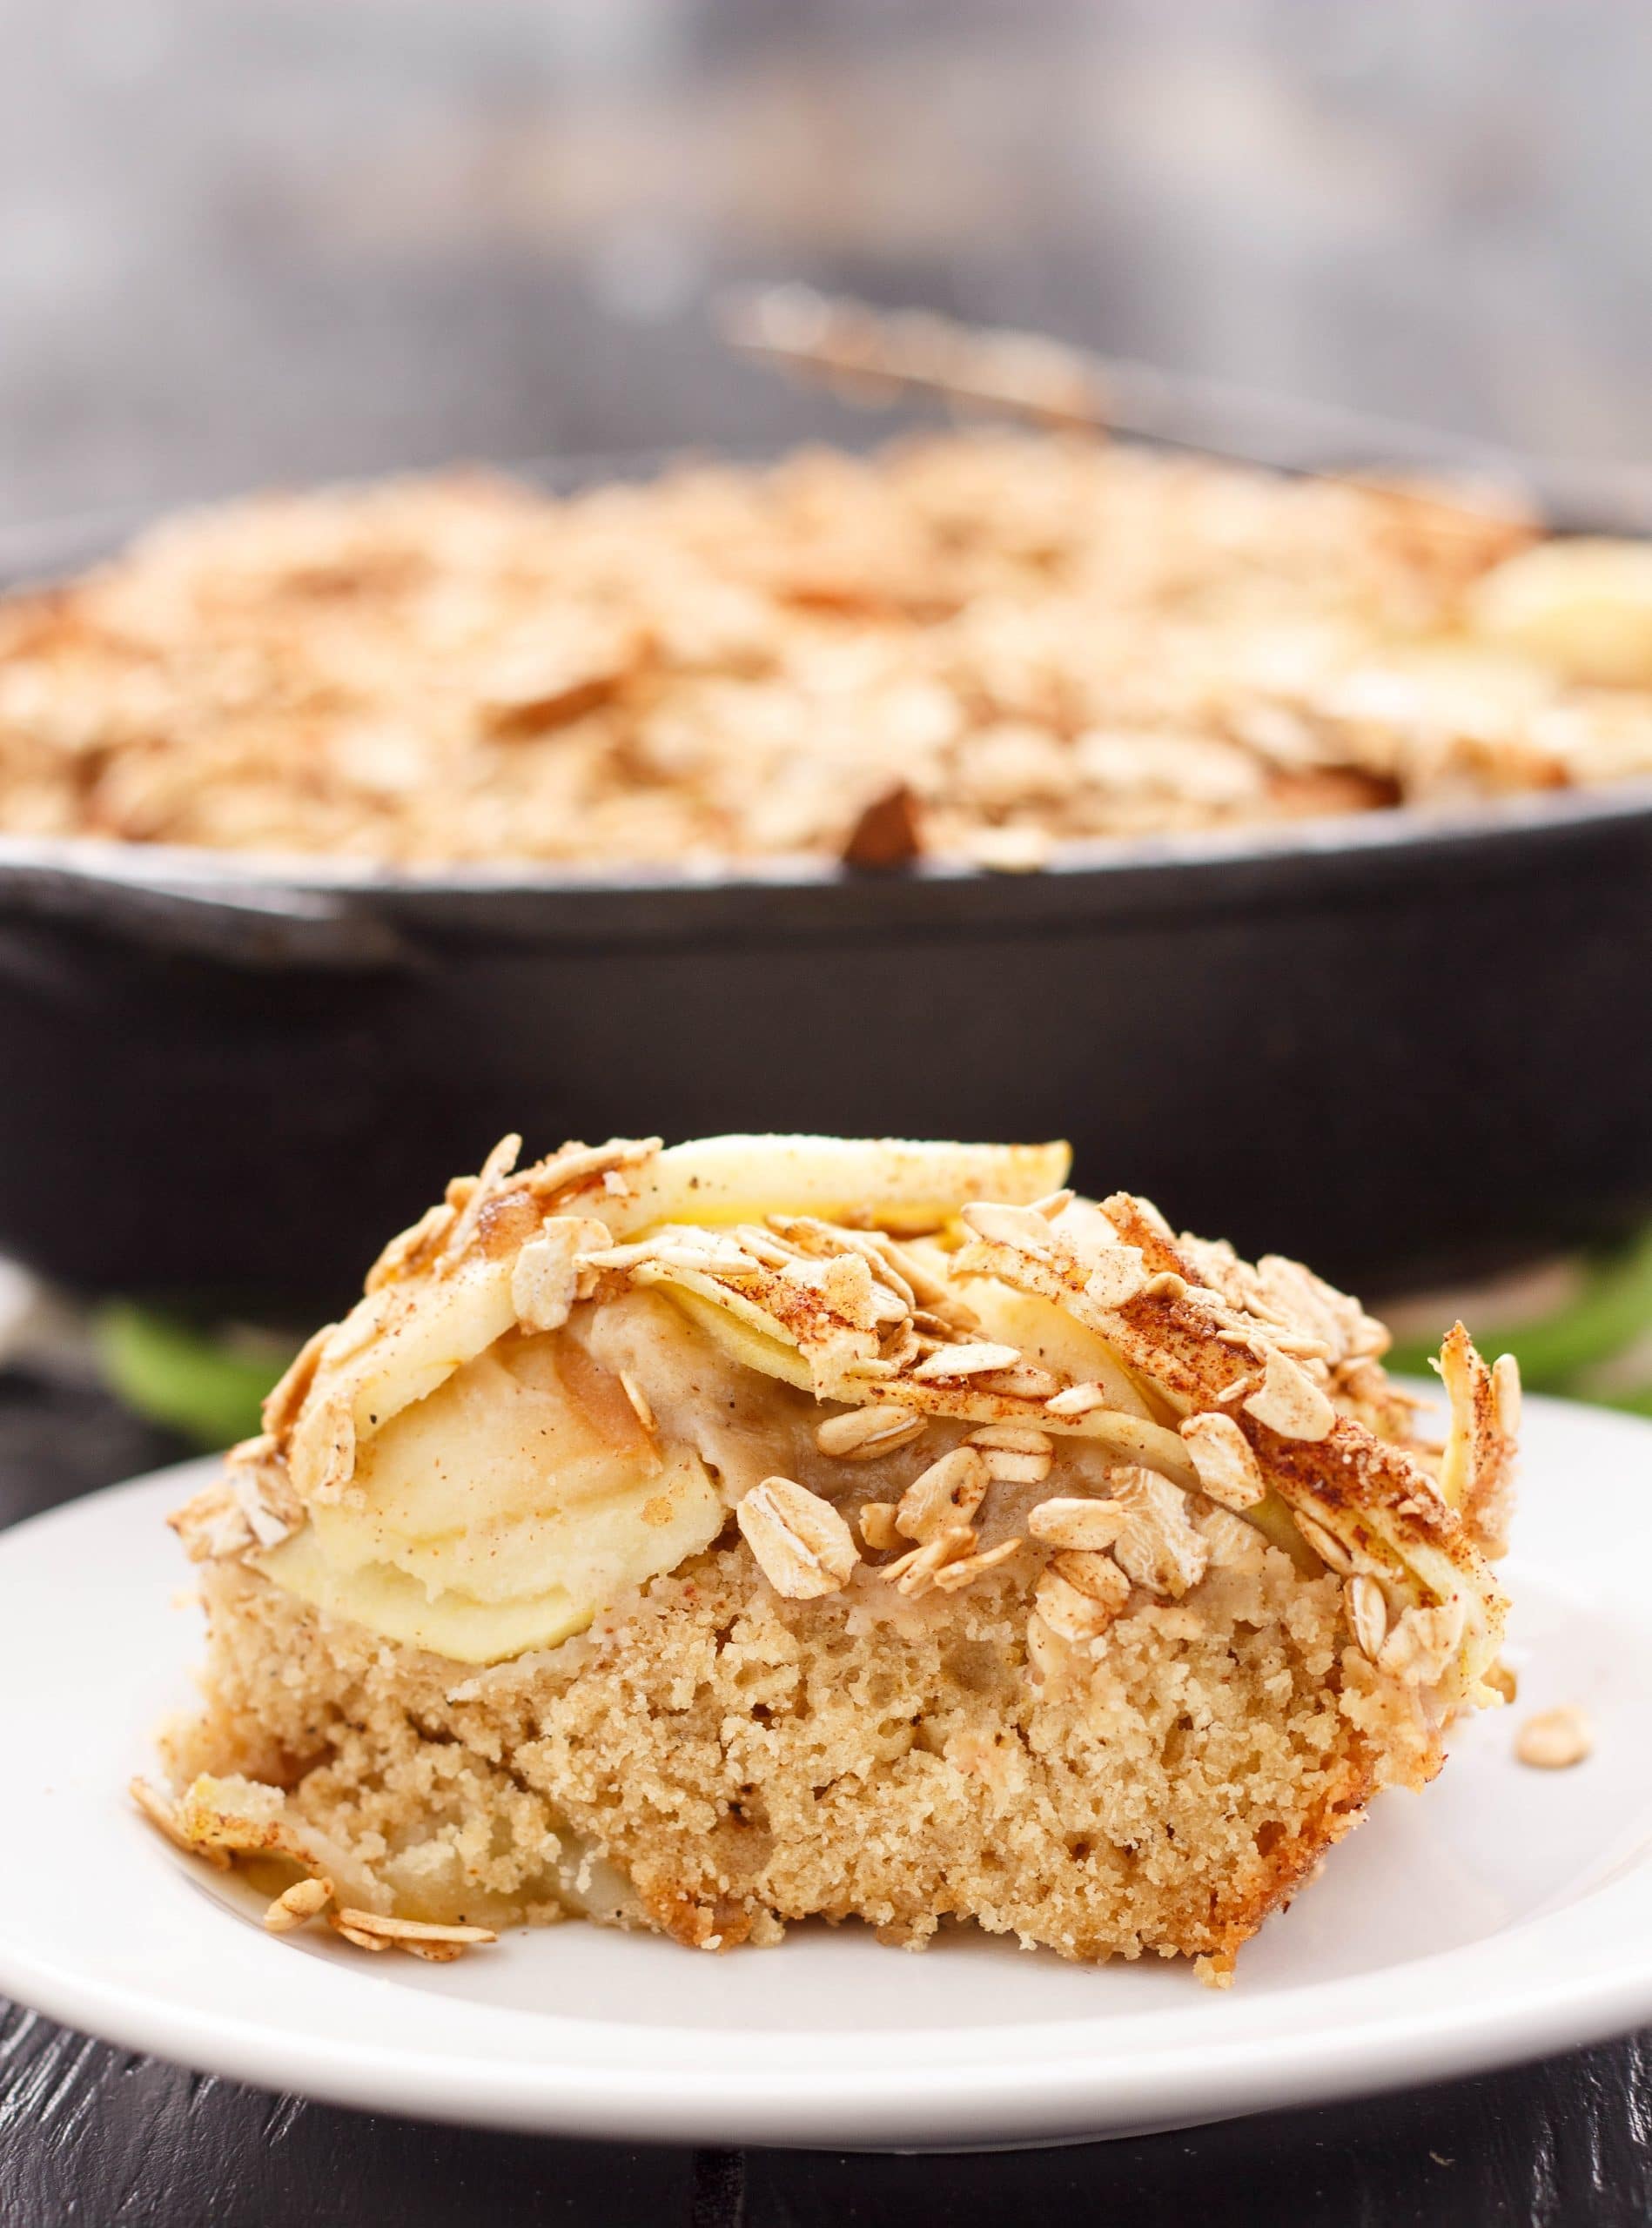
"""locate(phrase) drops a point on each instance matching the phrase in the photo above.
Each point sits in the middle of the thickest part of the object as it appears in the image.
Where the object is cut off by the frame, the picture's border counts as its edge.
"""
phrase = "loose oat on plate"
(771, 1527)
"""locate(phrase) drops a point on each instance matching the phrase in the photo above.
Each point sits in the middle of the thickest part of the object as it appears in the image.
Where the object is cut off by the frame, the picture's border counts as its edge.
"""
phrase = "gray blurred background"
(254, 240)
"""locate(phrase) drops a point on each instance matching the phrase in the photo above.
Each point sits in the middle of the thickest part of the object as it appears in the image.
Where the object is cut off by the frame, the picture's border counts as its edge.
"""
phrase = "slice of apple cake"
(771, 1527)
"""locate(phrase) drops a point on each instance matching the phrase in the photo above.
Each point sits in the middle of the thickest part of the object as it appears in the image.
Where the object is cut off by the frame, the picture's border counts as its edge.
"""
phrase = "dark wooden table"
(93, 2135)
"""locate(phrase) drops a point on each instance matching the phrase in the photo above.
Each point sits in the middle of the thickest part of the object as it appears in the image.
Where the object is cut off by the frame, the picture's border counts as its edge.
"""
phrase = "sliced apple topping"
(1477, 1470)
(1581, 603)
(509, 1430)
(895, 1183)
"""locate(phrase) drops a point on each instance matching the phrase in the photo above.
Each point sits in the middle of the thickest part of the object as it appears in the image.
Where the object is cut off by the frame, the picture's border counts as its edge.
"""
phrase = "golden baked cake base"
(745, 1760)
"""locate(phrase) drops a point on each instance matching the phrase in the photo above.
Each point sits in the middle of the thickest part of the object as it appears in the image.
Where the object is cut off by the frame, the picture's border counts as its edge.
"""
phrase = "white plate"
(1502, 1914)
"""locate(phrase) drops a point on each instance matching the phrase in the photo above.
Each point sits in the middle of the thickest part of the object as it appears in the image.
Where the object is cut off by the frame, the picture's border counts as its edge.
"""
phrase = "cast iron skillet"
(1402, 1047)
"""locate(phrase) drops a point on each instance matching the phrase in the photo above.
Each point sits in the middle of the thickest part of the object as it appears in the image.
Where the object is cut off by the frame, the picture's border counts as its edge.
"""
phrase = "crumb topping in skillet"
(979, 647)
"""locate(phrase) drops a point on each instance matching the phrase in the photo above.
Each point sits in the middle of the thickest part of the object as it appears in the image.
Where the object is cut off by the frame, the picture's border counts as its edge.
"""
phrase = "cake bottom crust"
(713, 1761)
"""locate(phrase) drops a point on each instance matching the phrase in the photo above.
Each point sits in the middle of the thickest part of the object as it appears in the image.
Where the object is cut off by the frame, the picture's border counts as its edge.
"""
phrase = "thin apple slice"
(1582, 604)
(897, 1183)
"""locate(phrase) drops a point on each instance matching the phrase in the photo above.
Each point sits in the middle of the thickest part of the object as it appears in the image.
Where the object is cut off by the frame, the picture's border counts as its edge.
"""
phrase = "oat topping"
(1078, 1523)
(1075, 1400)
(1423, 1642)
(973, 1358)
(356, 1936)
(1233, 1544)
(1156, 1545)
(1077, 1599)
(404, 1932)
(1553, 1740)
(304, 1899)
(1118, 1276)
(162, 1814)
(914, 1575)
(980, 647)
(1017, 1455)
(1027, 1228)
(945, 1495)
(1228, 1469)
(1325, 1544)
(1093, 1575)
(877, 1525)
(222, 1818)
(1368, 1615)
(862, 1434)
(257, 1481)
(953, 1576)
(802, 1546)
(1288, 1401)
(546, 1278)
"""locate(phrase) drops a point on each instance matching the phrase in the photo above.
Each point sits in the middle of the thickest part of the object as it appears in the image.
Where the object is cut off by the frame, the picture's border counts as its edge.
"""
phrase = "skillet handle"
(263, 924)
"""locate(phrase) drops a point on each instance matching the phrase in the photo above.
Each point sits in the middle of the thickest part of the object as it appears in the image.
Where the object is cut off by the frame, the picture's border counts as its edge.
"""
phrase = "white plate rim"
(1564, 1977)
